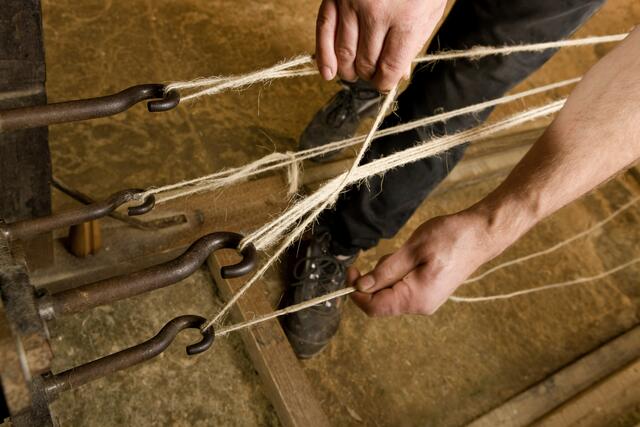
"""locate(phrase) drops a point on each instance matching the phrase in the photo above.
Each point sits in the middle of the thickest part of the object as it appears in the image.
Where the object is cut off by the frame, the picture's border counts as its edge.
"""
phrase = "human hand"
(373, 39)
(434, 261)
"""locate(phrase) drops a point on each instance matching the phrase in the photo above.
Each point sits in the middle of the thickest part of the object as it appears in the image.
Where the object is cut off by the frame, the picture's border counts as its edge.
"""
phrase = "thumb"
(390, 269)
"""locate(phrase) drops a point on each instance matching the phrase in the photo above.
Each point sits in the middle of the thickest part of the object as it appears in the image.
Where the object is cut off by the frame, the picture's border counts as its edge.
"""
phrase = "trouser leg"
(366, 213)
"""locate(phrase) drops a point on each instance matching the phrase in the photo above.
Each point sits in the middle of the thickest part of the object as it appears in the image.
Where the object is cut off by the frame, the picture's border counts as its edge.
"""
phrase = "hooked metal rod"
(86, 109)
(83, 374)
(125, 286)
(26, 229)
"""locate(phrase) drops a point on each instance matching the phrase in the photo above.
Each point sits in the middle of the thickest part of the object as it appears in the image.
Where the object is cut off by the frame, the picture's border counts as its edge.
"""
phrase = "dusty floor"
(441, 370)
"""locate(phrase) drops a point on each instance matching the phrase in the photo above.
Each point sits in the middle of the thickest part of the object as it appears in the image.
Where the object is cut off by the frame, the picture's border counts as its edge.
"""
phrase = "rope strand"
(329, 195)
(577, 281)
(279, 160)
(350, 289)
(557, 246)
(287, 69)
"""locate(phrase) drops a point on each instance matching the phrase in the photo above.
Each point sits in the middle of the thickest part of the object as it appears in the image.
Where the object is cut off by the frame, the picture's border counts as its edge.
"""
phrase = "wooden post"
(25, 164)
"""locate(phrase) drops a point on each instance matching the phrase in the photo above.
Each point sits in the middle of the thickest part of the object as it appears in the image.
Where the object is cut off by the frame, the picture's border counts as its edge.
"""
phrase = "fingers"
(352, 275)
(390, 269)
(325, 39)
(391, 301)
(395, 60)
(372, 32)
(346, 43)
(414, 294)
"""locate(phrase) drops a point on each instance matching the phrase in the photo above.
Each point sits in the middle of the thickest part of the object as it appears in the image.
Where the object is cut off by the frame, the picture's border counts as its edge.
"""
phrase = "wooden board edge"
(286, 384)
(544, 397)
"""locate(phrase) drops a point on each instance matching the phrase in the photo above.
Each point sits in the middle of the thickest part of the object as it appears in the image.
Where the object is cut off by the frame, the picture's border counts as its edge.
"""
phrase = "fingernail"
(326, 72)
(366, 283)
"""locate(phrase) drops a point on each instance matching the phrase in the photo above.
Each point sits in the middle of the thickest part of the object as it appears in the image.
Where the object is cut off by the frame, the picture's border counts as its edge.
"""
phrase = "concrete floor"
(441, 370)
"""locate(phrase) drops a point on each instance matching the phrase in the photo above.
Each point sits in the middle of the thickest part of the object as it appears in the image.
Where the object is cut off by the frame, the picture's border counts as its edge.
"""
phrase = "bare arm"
(596, 135)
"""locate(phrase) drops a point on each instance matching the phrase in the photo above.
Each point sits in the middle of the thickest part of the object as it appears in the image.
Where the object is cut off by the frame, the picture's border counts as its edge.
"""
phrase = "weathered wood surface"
(285, 382)
(25, 165)
(539, 400)
(604, 403)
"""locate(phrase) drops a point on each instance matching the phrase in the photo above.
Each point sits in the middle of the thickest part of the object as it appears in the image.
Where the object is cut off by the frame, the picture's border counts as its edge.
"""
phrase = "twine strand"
(329, 193)
(296, 67)
(557, 246)
(278, 160)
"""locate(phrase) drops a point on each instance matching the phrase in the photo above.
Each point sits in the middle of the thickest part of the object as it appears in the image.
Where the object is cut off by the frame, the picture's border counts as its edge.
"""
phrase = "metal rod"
(32, 227)
(156, 277)
(83, 374)
(158, 224)
(91, 108)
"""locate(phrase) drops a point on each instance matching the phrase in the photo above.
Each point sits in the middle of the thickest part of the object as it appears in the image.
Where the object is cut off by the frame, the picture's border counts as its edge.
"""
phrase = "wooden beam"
(286, 384)
(534, 403)
(602, 404)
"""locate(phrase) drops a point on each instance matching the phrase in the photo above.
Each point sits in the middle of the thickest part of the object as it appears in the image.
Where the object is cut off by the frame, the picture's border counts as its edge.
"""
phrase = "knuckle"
(323, 21)
(390, 68)
(384, 272)
(345, 54)
(365, 65)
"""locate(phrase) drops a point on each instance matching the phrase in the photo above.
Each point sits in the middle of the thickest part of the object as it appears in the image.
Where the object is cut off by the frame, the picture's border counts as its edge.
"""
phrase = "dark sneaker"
(340, 118)
(315, 272)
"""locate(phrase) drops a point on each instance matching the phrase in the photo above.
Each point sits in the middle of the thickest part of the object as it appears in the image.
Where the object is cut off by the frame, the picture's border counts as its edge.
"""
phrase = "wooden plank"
(25, 165)
(128, 249)
(602, 404)
(286, 384)
(529, 406)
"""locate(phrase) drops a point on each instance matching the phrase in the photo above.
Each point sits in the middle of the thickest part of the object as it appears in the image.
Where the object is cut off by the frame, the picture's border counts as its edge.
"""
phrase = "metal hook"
(156, 277)
(170, 99)
(249, 256)
(129, 357)
(91, 108)
(32, 227)
(118, 199)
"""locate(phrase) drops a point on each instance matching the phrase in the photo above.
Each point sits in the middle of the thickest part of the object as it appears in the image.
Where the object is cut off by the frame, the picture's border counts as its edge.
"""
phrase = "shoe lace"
(327, 270)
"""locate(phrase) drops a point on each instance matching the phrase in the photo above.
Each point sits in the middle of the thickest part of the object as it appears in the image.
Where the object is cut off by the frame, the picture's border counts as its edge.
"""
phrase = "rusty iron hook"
(125, 286)
(91, 108)
(83, 374)
(32, 227)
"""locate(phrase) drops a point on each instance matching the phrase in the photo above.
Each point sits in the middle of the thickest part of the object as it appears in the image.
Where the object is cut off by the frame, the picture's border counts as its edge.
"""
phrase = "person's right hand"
(373, 39)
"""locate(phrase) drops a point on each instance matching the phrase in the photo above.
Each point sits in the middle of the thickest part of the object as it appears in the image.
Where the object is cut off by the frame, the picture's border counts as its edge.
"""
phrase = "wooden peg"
(85, 239)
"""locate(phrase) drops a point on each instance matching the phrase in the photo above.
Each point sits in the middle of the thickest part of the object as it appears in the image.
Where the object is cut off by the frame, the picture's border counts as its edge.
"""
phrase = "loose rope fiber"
(279, 160)
(329, 194)
(290, 225)
(300, 65)
(225, 330)
(267, 235)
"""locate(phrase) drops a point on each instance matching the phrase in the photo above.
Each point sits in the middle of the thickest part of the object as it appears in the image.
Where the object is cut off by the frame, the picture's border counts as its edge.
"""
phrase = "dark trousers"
(367, 213)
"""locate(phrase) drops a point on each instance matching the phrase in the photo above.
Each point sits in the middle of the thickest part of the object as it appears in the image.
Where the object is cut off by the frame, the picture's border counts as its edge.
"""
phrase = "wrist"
(505, 219)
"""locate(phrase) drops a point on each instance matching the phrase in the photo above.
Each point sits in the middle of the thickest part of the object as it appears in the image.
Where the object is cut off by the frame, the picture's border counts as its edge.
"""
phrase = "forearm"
(596, 135)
